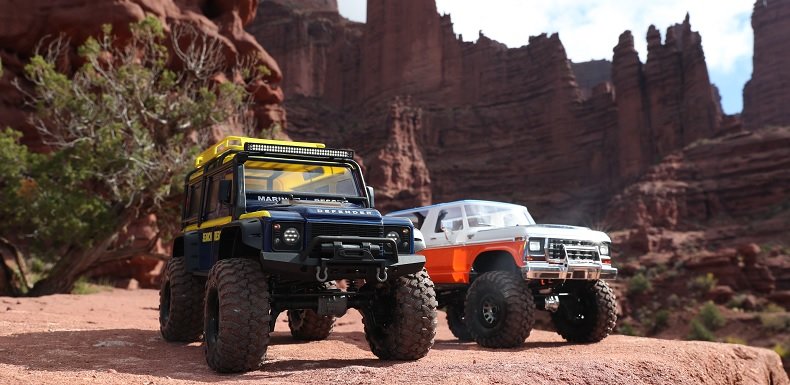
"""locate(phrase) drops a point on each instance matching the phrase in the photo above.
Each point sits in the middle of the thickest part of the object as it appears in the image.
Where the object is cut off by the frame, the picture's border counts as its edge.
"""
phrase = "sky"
(589, 29)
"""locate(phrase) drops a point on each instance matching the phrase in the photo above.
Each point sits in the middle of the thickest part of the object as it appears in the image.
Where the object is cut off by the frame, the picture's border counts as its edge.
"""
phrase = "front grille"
(555, 250)
(335, 229)
(351, 230)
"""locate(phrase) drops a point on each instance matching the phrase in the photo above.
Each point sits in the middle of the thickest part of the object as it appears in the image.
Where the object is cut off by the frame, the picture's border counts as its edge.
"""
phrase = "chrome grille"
(555, 251)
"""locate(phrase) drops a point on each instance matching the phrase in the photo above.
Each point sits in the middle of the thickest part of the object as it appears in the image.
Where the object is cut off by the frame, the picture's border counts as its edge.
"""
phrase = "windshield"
(493, 216)
(269, 181)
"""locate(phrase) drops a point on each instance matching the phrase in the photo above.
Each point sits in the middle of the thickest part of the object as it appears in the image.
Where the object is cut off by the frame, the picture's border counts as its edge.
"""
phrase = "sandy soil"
(113, 338)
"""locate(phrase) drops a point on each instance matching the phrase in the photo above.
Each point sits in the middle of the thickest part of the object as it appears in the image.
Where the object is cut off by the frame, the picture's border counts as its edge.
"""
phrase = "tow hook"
(381, 274)
(319, 276)
(552, 303)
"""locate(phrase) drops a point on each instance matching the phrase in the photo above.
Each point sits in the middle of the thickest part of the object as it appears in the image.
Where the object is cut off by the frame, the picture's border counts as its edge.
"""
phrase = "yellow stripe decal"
(255, 214)
(210, 223)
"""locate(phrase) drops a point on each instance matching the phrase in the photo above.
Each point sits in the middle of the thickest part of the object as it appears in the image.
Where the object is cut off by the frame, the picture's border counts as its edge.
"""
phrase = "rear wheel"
(180, 303)
(587, 314)
(237, 316)
(456, 322)
(499, 310)
(307, 325)
(401, 324)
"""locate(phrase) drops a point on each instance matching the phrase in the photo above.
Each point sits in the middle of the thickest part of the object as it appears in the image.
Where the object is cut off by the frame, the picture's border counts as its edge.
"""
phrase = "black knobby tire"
(587, 314)
(499, 310)
(180, 303)
(457, 324)
(237, 315)
(307, 325)
(401, 325)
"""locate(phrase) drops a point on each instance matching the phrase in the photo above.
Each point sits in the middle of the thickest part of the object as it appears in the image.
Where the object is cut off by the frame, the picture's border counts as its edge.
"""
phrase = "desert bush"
(776, 322)
(123, 130)
(660, 320)
(782, 350)
(639, 284)
(625, 328)
(699, 332)
(771, 307)
(735, 340)
(710, 316)
(703, 284)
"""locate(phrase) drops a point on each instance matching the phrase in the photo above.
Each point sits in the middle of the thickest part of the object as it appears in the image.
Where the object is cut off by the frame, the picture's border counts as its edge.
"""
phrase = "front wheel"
(237, 316)
(587, 313)
(499, 310)
(401, 322)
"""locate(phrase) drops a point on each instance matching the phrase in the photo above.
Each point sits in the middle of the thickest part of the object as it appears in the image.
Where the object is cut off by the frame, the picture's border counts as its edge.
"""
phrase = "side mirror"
(223, 192)
(371, 197)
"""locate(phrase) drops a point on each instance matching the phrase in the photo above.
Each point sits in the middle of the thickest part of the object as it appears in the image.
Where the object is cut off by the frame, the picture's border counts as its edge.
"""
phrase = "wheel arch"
(232, 245)
(494, 260)
(178, 247)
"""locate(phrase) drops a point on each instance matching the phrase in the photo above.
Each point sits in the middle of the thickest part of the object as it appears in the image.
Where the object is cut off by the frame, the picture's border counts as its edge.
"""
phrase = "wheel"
(307, 325)
(587, 314)
(402, 323)
(180, 303)
(499, 310)
(455, 320)
(237, 317)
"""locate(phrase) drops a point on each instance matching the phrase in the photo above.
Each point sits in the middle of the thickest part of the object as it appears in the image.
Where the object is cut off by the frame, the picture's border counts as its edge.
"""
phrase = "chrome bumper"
(581, 271)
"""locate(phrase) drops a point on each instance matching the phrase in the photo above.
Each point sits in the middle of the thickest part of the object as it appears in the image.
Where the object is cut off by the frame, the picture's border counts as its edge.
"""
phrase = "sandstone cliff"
(496, 123)
(767, 95)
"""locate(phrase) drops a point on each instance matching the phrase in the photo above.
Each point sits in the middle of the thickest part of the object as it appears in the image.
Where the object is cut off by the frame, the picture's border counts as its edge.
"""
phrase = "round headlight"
(291, 236)
(603, 249)
(394, 236)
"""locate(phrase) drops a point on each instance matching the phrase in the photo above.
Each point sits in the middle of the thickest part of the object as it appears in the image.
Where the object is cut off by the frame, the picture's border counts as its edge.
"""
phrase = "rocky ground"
(113, 338)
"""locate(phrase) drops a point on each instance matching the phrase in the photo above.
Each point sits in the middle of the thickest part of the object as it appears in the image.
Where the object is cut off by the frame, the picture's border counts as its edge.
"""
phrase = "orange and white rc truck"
(493, 267)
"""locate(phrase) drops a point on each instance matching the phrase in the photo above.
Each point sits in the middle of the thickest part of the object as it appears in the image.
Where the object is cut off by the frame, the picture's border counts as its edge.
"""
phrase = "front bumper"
(343, 262)
(579, 271)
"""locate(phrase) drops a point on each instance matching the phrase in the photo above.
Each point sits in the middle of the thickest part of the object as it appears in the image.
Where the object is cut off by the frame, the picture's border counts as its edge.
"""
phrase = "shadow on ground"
(143, 352)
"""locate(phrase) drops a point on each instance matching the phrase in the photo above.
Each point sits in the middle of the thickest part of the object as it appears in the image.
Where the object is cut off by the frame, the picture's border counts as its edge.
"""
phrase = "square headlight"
(534, 245)
(603, 249)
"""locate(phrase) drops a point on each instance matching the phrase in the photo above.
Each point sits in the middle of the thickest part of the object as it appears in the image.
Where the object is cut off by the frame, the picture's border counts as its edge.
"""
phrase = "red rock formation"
(399, 166)
(497, 123)
(767, 95)
(738, 178)
(24, 24)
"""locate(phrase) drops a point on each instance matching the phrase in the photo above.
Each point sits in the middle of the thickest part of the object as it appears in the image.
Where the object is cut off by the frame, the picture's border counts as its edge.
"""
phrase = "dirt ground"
(113, 338)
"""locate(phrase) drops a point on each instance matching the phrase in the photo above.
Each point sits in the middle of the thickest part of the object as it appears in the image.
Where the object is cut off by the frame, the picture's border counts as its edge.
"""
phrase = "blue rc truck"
(269, 226)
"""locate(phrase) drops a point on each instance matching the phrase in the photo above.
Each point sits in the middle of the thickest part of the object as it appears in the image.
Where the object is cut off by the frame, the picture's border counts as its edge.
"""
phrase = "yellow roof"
(237, 143)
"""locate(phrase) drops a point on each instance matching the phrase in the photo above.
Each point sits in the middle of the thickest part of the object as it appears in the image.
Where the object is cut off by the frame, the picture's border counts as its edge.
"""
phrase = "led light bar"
(295, 150)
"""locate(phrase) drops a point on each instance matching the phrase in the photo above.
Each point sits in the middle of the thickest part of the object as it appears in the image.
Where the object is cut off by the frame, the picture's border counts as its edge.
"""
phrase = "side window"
(213, 208)
(450, 219)
(193, 200)
(416, 218)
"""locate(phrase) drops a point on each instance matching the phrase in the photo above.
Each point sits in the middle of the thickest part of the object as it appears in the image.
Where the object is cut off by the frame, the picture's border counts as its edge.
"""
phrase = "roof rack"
(239, 143)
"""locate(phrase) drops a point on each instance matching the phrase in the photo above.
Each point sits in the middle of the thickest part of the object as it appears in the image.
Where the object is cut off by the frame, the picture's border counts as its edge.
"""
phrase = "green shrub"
(639, 284)
(660, 320)
(737, 301)
(773, 308)
(83, 286)
(625, 328)
(781, 350)
(735, 340)
(710, 316)
(699, 332)
(777, 322)
(703, 284)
